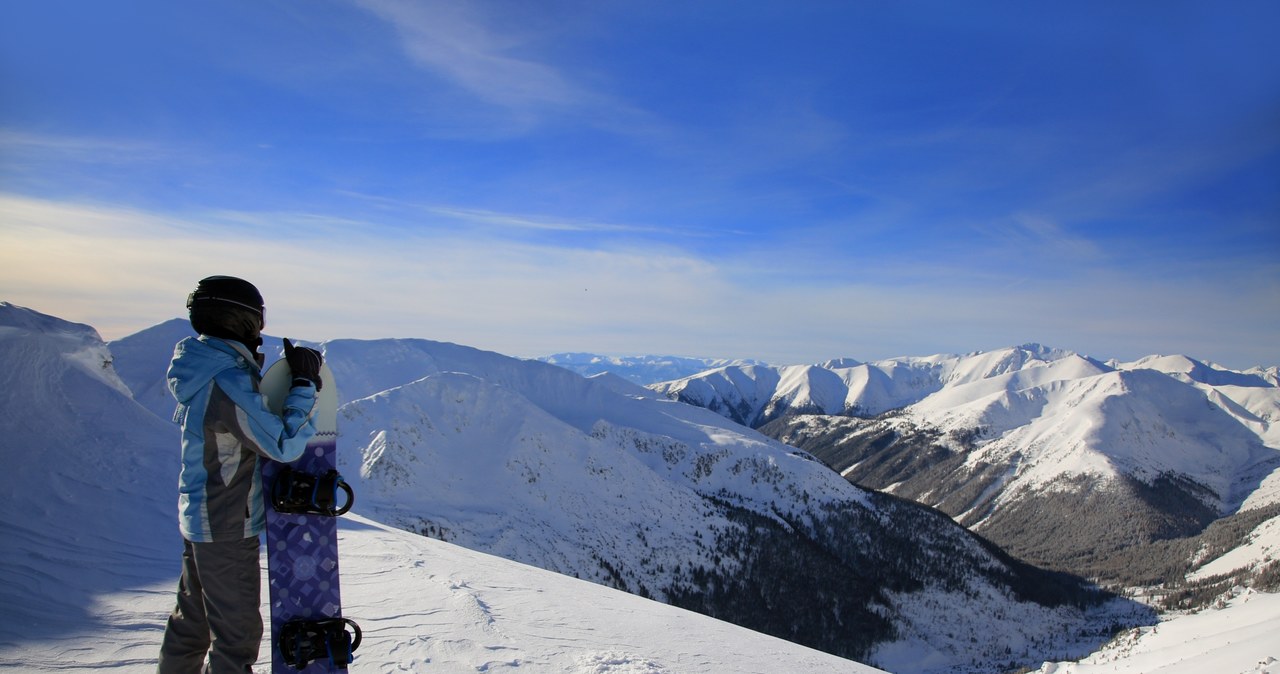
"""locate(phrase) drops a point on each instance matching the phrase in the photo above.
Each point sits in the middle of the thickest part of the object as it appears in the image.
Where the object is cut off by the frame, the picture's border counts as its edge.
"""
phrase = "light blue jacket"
(225, 427)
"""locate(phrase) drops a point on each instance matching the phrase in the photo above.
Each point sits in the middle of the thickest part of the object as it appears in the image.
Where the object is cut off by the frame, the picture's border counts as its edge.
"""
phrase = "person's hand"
(304, 363)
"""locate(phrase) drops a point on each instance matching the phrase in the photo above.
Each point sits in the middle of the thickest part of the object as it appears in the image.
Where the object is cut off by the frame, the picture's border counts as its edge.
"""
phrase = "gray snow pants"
(218, 610)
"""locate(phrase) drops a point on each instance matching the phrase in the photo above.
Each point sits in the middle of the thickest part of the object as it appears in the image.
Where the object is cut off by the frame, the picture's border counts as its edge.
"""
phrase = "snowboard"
(308, 632)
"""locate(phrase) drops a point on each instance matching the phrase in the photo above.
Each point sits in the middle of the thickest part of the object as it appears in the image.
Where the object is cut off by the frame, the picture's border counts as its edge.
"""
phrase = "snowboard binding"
(298, 492)
(303, 641)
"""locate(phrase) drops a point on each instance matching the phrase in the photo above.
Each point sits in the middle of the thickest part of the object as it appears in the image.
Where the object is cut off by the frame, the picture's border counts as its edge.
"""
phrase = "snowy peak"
(754, 396)
(986, 365)
(32, 335)
(1140, 423)
(31, 321)
(59, 375)
(1192, 370)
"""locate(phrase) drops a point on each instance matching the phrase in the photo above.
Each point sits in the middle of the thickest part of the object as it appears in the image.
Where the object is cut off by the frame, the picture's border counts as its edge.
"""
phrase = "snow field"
(483, 613)
(1241, 638)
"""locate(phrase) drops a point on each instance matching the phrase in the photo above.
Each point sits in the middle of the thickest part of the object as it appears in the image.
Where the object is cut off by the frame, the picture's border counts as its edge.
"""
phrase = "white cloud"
(504, 56)
(455, 40)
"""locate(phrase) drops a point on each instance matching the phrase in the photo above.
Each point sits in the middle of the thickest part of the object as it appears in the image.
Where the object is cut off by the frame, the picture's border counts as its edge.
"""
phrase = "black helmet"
(226, 289)
(228, 308)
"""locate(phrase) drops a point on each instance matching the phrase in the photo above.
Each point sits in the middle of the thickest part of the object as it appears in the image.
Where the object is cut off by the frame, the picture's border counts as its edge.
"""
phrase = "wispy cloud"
(456, 41)
(516, 221)
(1036, 240)
(506, 222)
(507, 65)
(20, 145)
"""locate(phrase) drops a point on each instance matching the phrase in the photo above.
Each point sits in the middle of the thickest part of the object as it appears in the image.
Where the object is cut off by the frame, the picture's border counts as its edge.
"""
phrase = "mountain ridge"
(644, 369)
(1010, 440)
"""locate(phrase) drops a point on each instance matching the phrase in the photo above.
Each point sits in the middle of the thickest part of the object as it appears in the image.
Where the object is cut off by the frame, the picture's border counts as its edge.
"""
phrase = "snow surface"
(424, 605)
(1242, 637)
(1262, 546)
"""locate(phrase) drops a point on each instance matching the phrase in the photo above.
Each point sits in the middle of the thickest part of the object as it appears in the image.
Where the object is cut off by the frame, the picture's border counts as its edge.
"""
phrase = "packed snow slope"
(609, 482)
(1058, 456)
(89, 566)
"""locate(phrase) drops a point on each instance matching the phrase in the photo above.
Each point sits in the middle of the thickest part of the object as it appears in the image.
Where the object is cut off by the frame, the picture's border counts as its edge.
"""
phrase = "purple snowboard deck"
(302, 549)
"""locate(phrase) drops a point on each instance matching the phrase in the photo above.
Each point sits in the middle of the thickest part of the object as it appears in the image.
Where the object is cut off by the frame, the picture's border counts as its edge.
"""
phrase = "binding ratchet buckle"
(296, 492)
(302, 641)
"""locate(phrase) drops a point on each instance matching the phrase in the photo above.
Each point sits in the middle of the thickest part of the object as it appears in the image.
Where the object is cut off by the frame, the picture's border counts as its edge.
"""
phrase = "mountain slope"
(609, 482)
(91, 554)
(81, 461)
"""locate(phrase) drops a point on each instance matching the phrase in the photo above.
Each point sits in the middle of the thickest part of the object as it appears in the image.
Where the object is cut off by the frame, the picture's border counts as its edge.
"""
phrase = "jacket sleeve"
(283, 437)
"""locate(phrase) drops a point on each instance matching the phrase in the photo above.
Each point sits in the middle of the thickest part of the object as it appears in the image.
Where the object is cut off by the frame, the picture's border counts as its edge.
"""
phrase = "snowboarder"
(226, 426)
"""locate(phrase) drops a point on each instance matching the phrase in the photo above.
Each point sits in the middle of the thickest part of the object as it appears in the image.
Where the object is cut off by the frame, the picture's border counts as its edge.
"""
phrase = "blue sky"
(789, 181)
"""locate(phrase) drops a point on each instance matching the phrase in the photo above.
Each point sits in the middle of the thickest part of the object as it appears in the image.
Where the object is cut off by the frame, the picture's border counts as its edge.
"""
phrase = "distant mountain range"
(607, 481)
(1112, 470)
(640, 369)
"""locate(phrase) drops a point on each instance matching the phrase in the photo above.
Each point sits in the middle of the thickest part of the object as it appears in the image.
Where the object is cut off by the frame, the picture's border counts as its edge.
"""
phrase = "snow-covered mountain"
(607, 481)
(1057, 456)
(91, 551)
(641, 369)
(90, 562)
(756, 395)
(78, 501)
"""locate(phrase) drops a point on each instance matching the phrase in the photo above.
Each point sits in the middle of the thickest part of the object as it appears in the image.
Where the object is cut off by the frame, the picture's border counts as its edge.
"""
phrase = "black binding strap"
(295, 492)
(302, 641)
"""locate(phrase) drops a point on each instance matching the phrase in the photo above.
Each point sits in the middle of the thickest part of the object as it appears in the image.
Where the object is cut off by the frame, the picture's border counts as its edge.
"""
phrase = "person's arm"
(282, 437)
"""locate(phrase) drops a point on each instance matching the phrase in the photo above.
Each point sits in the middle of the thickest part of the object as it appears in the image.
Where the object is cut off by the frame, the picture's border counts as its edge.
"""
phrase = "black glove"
(304, 363)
